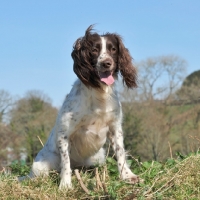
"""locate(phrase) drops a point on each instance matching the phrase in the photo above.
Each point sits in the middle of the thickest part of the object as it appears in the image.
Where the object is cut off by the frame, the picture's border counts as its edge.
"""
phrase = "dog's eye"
(113, 49)
(94, 50)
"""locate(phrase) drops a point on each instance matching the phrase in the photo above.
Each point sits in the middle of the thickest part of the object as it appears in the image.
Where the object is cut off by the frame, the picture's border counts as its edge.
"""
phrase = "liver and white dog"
(91, 112)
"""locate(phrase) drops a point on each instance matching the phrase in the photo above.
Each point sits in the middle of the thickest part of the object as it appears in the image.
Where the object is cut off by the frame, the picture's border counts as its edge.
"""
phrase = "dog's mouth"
(107, 77)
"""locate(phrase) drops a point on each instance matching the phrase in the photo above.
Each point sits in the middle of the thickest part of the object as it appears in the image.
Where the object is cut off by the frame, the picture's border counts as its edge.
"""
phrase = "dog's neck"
(104, 98)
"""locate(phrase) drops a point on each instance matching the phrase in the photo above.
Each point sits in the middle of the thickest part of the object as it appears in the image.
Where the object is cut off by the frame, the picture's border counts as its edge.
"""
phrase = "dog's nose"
(106, 63)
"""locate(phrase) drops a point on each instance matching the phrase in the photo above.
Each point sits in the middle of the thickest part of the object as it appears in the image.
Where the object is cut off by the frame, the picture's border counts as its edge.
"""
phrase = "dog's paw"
(130, 178)
(133, 179)
(65, 184)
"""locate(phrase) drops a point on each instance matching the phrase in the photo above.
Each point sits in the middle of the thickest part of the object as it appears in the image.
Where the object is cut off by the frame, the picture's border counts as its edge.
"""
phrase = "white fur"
(104, 55)
(103, 49)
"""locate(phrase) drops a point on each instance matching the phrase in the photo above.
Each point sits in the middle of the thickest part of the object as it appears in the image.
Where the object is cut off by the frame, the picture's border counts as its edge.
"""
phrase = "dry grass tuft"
(182, 181)
(84, 187)
(179, 180)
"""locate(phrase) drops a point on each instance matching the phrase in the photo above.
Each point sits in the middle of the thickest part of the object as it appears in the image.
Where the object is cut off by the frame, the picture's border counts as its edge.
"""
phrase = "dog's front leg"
(65, 174)
(116, 138)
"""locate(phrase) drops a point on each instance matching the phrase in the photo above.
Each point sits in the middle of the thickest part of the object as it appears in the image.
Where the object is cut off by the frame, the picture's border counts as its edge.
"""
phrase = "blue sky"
(36, 37)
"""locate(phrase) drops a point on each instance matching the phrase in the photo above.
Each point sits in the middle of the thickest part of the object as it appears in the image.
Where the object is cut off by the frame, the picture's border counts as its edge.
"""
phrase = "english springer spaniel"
(91, 111)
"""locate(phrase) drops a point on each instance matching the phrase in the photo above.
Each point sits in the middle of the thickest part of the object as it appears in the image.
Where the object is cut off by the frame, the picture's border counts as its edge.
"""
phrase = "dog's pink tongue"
(106, 77)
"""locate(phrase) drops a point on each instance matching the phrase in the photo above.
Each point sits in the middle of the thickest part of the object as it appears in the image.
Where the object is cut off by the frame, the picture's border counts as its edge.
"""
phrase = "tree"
(159, 77)
(190, 89)
(148, 122)
(33, 116)
(6, 102)
(8, 139)
(192, 79)
(8, 144)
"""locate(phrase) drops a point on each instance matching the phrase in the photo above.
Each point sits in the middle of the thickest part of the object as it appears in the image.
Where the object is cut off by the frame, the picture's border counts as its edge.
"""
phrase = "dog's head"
(99, 58)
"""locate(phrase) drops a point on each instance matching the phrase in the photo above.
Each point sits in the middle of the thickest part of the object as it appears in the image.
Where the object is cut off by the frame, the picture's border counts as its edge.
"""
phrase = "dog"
(91, 112)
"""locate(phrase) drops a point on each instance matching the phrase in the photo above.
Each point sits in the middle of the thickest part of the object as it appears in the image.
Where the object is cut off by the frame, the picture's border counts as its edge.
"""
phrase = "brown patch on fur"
(85, 60)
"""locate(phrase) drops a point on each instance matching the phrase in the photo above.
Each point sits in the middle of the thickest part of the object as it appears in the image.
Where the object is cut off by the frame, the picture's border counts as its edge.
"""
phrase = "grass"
(175, 179)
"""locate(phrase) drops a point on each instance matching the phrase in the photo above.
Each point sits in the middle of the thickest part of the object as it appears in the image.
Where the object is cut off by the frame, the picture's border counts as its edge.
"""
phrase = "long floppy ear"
(81, 55)
(126, 67)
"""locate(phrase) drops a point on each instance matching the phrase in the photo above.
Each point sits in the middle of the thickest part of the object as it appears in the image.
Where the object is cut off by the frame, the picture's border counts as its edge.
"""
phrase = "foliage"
(32, 118)
(156, 130)
(156, 123)
(192, 79)
(132, 128)
(19, 168)
(189, 90)
(8, 143)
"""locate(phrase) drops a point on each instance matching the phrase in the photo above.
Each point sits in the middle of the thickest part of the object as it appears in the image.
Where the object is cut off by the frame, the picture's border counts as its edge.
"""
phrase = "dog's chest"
(90, 134)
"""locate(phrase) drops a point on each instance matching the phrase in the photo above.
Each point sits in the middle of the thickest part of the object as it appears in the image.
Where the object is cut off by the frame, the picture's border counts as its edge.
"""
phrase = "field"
(175, 179)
